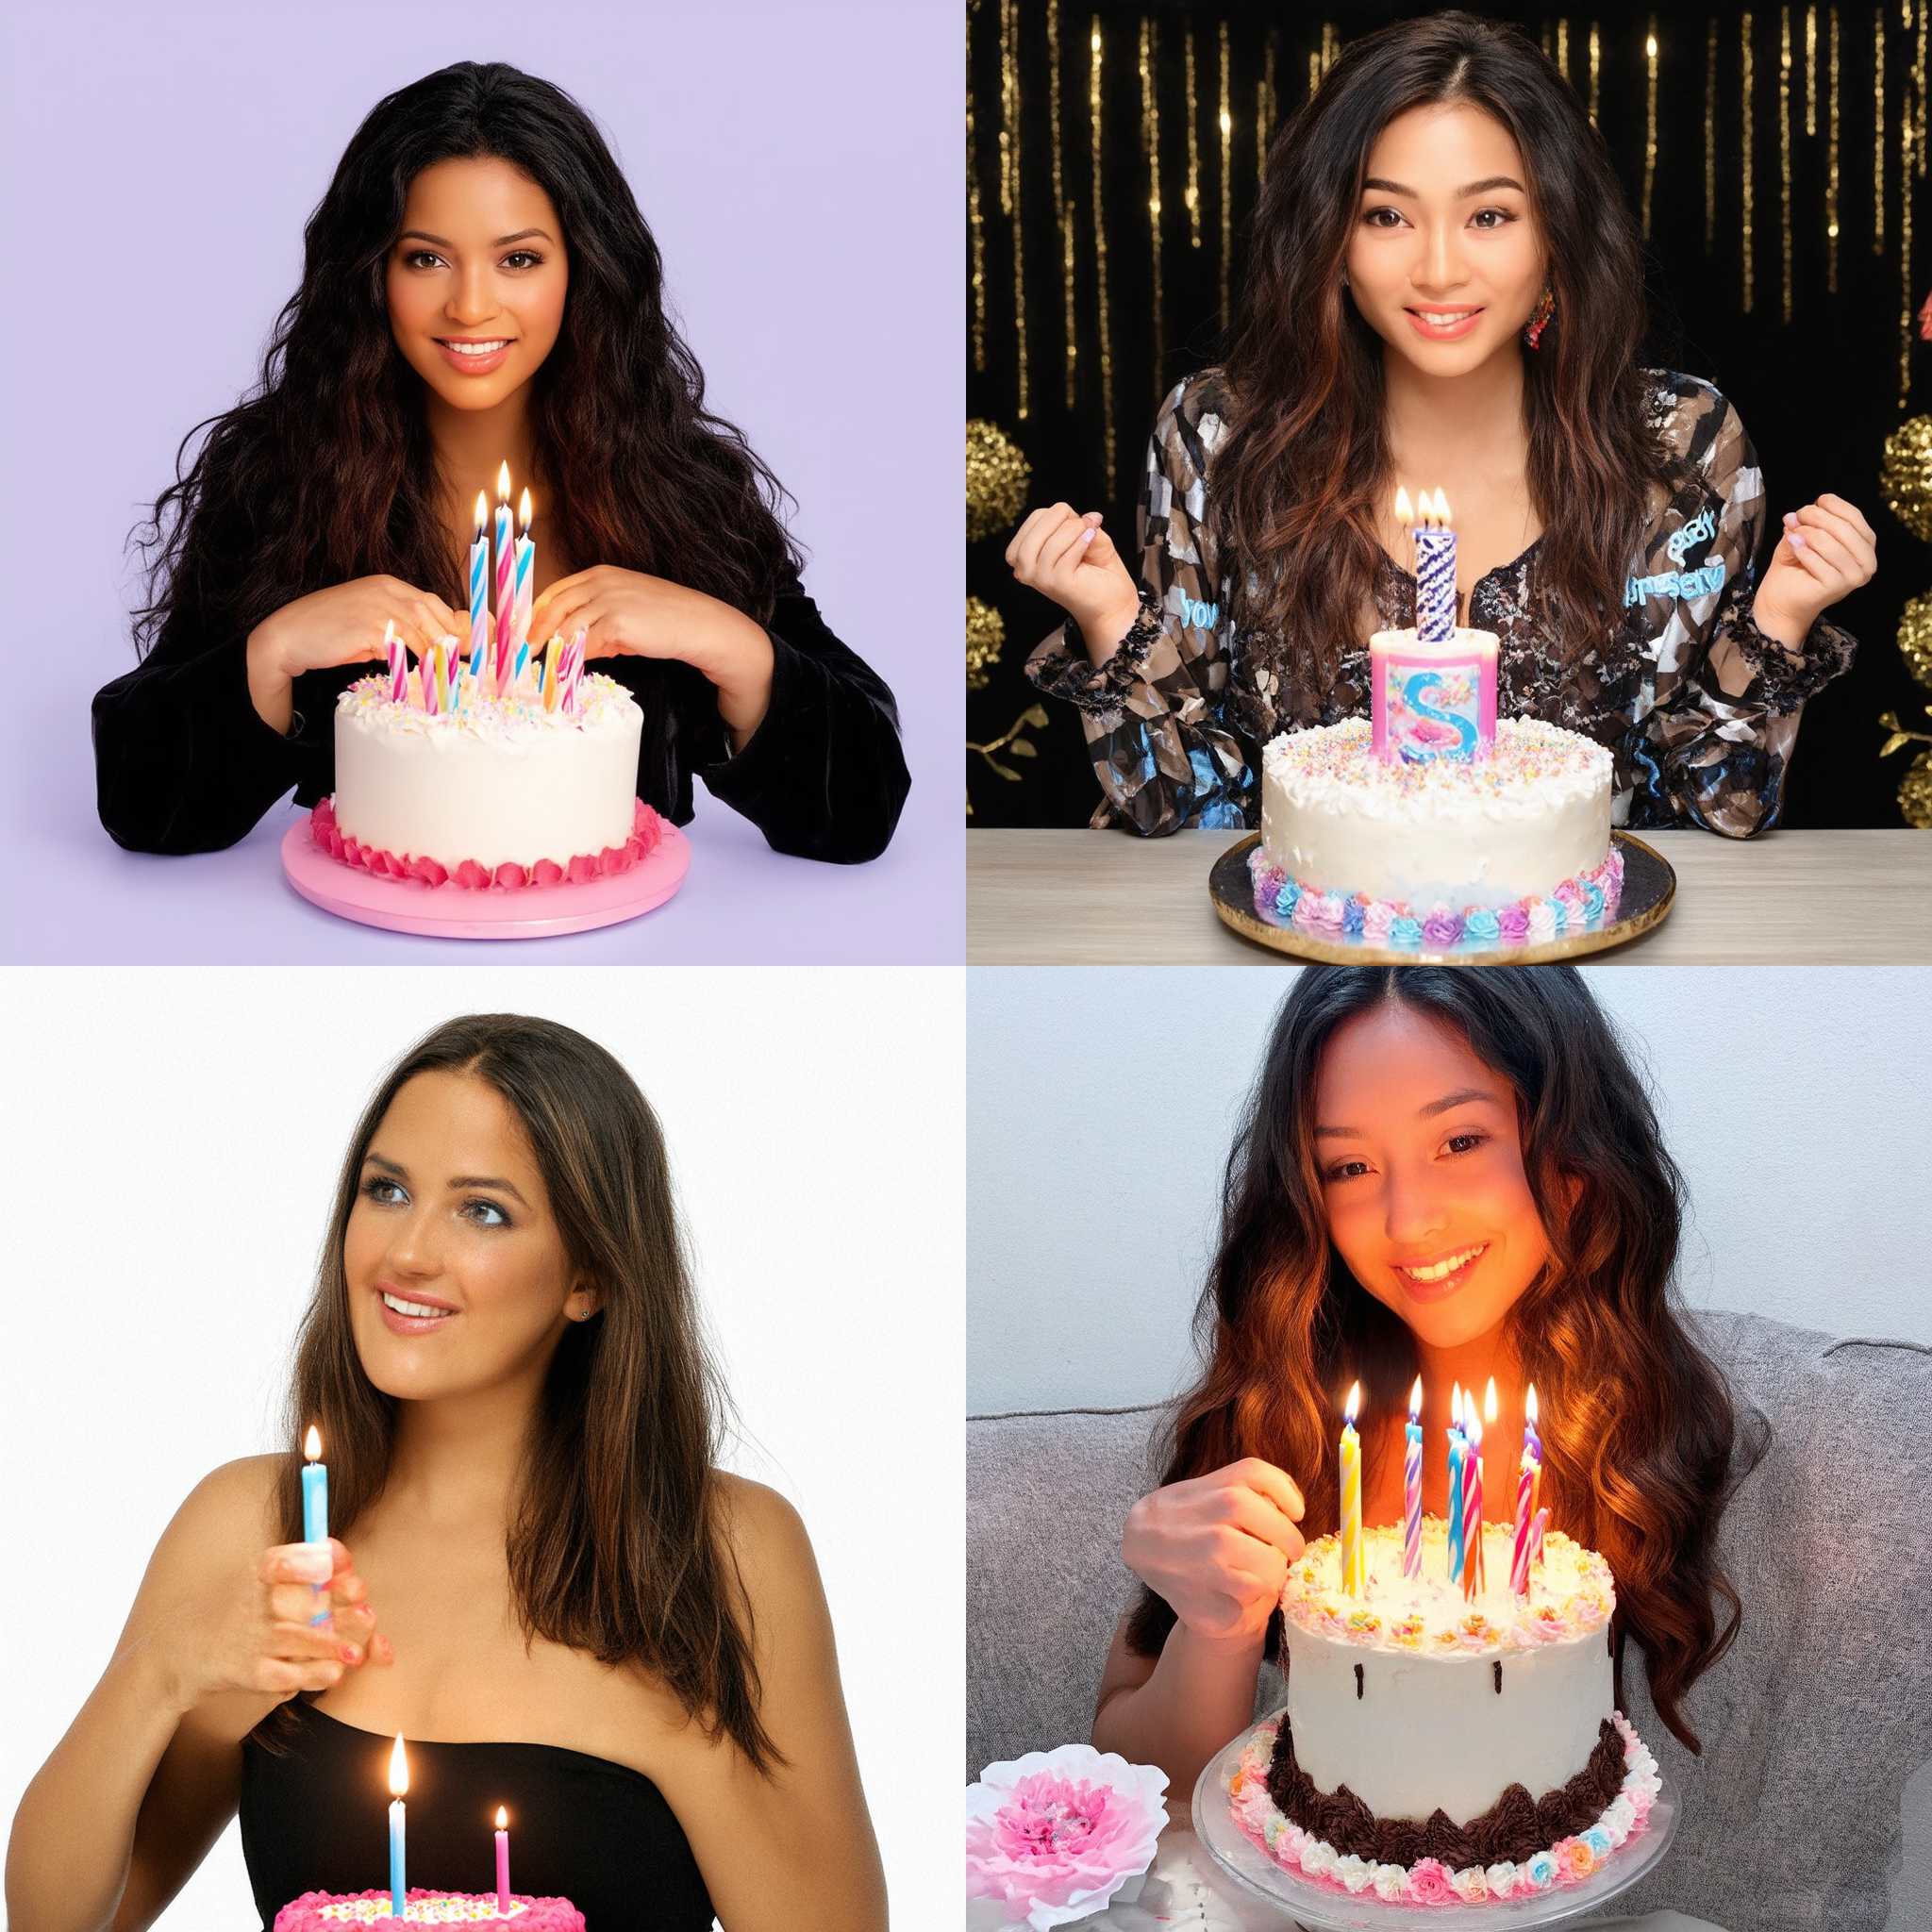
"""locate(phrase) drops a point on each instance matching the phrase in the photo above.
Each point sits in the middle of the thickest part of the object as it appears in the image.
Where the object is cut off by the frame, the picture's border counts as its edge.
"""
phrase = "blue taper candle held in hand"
(315, 1507)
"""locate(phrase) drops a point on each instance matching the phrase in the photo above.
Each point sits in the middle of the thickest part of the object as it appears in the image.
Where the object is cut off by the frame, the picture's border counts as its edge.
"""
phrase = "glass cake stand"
(1321, 1908)
(1650, 885)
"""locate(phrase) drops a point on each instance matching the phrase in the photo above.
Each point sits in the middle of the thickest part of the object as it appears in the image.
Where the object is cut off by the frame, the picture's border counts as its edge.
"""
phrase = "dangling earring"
(1540, 320)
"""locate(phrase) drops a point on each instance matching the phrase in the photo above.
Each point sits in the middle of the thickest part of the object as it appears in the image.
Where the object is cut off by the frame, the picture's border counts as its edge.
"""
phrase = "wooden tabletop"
(1080, 898)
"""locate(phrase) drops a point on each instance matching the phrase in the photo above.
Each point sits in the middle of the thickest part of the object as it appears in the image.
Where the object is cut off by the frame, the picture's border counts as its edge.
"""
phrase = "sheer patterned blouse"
(1699, 707)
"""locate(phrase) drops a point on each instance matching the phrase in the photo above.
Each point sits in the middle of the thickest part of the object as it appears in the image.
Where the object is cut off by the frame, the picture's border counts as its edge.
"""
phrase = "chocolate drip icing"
(1515, 1827)
(1358, 1682)
(1499, 1677)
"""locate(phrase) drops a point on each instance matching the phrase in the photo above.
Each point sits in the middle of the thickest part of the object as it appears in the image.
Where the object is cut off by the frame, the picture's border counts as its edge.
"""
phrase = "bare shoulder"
(767, 1540)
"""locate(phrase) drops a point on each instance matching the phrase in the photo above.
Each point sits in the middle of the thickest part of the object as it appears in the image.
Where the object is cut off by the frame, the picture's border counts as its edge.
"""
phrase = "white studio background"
(1102, 1104)
(174, 1138)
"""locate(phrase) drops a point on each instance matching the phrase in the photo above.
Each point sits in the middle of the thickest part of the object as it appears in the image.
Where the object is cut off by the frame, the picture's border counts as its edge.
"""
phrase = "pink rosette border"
(646, 833)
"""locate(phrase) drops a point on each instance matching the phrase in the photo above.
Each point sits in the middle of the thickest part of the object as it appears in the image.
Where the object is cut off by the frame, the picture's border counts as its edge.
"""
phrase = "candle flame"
(482, 512)
(311, 1445)
(1405, 510)
(523, 513)
(1442, 510)
(503, 482)
(398, 1770)
(502, 1819)
(1415, 1400)
(1529, 1405)
(1351, 1404)
(1489, 1401)
(1476, 1428)
(1456, 1405)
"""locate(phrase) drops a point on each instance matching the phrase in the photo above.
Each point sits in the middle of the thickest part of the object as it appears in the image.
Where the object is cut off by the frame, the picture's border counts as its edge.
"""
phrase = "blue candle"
(315, 1505)
(398, 1784)
(1457, 1445)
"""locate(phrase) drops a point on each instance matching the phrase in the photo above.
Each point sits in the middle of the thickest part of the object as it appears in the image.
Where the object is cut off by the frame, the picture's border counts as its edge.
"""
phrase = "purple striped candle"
(1412, 1487)
(1435, 572)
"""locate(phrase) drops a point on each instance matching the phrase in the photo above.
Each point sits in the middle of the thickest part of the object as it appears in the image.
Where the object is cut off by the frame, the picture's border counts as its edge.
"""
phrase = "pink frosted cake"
(453, 785)
(1437, 1749)
(325, 1911)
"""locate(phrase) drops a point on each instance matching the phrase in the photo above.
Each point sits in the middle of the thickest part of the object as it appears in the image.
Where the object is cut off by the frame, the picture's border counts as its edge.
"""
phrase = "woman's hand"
(627, 613)
(343, 625)
(249, 1629)
(1218, 1547)
(1067, 556)
(1827, 552)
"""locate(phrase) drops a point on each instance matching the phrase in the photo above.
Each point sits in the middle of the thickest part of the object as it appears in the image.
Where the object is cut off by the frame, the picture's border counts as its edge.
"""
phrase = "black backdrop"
(1818, 395)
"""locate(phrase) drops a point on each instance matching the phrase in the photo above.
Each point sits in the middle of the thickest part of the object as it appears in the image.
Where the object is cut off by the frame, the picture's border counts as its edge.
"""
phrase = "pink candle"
(1474, 1578)
(502, 1865)
(505, 580)
(1412, 1487)
(526, 571)
(1536, 1535)
(1518, 1562)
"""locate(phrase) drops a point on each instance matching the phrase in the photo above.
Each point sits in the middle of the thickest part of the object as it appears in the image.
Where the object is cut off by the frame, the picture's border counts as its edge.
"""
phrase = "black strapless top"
(580, 1827)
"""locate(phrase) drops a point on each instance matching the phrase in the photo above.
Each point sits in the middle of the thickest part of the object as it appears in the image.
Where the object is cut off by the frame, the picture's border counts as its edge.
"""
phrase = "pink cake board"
(456, 912)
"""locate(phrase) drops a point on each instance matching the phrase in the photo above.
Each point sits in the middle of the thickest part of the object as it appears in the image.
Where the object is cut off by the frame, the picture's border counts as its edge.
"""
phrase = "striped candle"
(1473, 1577)
(1519, 1562)
(1351, 1496)
(549, 680)
(398, 663)
(479, 587)
(1412, 1487)
(426, 666)
(526, 571)
(1435, 572)
(1457, 1445)
(506, 588)
(1536, 1535)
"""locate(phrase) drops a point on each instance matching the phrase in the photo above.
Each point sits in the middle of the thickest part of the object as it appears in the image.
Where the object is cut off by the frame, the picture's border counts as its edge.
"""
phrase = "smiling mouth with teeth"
(1441, 1269)
(414, 1309)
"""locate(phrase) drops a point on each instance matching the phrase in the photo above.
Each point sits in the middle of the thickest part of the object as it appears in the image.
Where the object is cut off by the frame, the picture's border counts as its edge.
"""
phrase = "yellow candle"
(1352, 1576)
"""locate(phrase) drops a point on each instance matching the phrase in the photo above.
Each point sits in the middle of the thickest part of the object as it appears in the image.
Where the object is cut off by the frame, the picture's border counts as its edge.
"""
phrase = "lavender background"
(799, 167)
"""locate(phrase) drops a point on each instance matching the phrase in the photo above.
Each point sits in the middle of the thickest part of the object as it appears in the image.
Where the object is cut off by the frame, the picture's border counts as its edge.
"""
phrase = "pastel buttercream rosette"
(1055, 1834)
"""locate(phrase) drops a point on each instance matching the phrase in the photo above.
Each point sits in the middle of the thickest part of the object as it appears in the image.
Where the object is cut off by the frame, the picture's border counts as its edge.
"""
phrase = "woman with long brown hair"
(479, 285)
(1456, 1175)
(1446, 291)
(569, 1599)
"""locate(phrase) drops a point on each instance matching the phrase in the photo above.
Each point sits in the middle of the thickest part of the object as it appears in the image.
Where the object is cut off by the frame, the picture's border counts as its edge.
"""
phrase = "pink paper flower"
(1429, 1882)
(1055, 1834)
(1574, 1860)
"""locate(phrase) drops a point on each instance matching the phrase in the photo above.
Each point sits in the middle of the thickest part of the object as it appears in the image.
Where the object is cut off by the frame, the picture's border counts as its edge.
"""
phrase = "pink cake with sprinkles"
(1507, 845)
(328, 1911)
(1443, 1746)
(445, 780)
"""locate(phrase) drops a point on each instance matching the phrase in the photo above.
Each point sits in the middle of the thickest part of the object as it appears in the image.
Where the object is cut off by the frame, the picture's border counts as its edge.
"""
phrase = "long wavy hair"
(1642, 1441)
(325, 471)
(616, 1546)
(1305, 462)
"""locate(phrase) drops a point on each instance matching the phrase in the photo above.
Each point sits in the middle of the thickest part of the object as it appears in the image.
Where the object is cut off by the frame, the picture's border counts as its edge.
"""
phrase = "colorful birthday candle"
(398, 662)
(1473, 1577)
(549, 683)
(1457, 1444)
(479, 587)
(1412, 1486)
(398, 1786)
(314, 1505)
(502, 1863)
(1518, 1556)
(506, 581)
(1351, 1496)
(1435, 572)
(526, 569)
(1533, 1448)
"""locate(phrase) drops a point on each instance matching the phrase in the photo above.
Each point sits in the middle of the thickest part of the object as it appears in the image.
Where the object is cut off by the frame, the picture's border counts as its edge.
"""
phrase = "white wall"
(173, 1139)
(1797, 1101)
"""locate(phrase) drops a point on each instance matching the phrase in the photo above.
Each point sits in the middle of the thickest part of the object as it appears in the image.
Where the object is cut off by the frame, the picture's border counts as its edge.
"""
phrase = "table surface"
(1818, 898)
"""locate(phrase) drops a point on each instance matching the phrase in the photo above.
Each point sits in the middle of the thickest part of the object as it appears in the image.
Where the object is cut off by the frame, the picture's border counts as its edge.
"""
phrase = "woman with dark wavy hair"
(1446, 291)
(520, 1420)
(478, 285)
(1456, 1175)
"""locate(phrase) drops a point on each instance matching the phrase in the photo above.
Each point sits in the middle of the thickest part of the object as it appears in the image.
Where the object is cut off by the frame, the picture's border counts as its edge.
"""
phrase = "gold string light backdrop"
(1774, 157)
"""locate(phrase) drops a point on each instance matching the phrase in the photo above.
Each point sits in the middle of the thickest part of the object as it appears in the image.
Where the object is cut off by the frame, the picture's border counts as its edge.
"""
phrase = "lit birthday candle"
(315, 1505)
(1533, 1448)
(479, 587)
(398, 1786)
(1412, 1486)
(506, 581)
(1473, 1577)
(1453, 1512)
(502, 1863)
(526, 569)
(1519, 1555)
(398, 663)
(1435, 570)
(1351, 1496)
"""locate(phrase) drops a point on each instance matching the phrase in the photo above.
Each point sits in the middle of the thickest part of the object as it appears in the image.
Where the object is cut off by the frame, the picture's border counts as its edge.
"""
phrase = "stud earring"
(1540, 320)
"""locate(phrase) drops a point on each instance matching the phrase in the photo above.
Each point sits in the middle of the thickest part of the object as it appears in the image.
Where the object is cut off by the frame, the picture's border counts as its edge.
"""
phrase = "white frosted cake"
(490, 791)
(1434, 1747)
(1512, 845)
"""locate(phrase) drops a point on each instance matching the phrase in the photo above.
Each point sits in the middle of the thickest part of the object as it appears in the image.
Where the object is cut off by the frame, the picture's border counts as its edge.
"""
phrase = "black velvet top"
(316, 1819)
(183, 761)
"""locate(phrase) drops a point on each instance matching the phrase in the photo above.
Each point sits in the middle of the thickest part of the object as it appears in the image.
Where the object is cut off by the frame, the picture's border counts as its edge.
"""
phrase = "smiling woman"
(479, 287)
(570, 1601)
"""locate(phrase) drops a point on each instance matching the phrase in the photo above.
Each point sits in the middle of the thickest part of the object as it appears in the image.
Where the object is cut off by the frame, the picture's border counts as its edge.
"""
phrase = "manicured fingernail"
(1091, 534)
(1790, 516)
(1798, 541)
(350, 1653)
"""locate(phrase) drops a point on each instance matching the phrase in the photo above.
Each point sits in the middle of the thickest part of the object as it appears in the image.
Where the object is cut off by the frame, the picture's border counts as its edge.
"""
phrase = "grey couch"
(1811, 1803)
